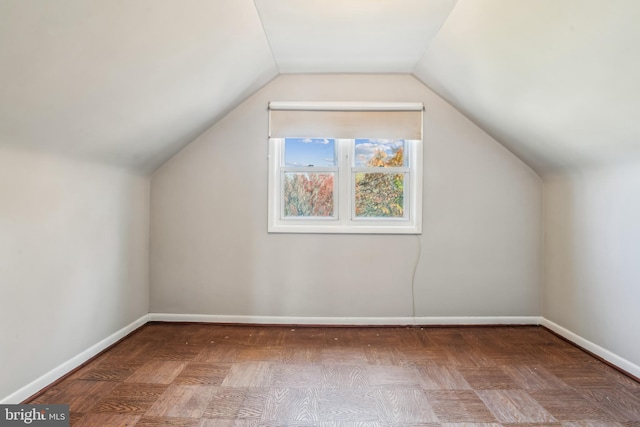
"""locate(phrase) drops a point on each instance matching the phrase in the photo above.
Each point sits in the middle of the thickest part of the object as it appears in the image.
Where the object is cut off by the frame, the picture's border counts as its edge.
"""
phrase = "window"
(345, 168)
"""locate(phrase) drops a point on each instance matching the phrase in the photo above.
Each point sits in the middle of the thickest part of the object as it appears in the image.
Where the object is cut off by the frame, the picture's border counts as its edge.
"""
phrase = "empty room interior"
(321, 212)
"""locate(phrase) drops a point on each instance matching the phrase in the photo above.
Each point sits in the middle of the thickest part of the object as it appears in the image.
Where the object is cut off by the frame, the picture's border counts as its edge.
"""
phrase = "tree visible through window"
(308, 194)
(325, 176)
(308, 176)
(379, 187)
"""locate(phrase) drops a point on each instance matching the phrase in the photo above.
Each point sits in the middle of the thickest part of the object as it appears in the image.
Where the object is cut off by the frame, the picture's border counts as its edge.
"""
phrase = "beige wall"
(480, 247)
(74, 239)
(592, 257)
(73, 260)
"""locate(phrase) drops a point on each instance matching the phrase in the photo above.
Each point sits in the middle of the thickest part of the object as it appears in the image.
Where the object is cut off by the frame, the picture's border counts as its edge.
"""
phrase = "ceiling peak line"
(266, 37)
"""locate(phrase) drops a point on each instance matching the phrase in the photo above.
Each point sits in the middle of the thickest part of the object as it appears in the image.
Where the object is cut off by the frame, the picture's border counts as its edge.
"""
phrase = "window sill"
(342, 229)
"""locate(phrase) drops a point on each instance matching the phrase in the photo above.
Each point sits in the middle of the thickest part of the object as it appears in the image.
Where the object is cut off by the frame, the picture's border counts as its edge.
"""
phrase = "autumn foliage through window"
(309, 178)
(381, 194)
(337, 185)
(308, 194)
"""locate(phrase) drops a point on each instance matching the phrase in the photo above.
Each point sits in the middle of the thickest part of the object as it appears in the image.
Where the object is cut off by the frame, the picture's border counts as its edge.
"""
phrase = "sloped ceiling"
(125, 82)
(132, 82)
(556, 81)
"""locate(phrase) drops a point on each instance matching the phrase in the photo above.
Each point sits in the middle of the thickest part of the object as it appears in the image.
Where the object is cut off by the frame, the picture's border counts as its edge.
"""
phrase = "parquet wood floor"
(204, 375)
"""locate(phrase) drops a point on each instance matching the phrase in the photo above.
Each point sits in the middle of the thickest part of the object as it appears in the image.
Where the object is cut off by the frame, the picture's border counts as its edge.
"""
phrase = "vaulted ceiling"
(132, 82)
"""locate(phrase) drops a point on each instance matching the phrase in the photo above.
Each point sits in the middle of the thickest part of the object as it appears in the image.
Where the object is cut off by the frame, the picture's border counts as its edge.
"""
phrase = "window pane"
(380, 153)
(379, 195)
(300, 152)
(308, 194)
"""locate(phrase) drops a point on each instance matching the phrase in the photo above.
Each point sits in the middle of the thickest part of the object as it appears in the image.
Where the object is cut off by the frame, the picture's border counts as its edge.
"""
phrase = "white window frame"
(344, 195)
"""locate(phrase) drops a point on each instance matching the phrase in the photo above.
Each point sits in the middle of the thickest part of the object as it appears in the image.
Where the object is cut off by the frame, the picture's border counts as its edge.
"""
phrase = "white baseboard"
(56, 373)
(68, 366)
(610, 357)
(346, 321)
(607, 355)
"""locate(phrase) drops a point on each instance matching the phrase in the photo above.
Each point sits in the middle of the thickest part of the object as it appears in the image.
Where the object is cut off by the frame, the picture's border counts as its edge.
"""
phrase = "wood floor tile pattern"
(199, 375)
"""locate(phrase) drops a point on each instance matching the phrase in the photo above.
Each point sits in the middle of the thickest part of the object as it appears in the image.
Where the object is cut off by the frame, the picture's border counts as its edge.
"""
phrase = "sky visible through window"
(367, 149)
(303, 152)
(321, 152)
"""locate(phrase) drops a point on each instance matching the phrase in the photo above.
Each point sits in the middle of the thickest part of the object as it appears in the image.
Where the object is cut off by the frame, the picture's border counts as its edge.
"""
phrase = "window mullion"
(380, 170)
(344, 172)
(344, 164)
(314, 169)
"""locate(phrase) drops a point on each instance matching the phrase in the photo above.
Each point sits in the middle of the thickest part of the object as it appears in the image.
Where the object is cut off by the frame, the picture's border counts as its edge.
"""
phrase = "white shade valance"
(346, 120)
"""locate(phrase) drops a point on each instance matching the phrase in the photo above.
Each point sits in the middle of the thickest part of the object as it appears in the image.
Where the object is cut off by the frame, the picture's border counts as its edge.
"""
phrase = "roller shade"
(346, 120)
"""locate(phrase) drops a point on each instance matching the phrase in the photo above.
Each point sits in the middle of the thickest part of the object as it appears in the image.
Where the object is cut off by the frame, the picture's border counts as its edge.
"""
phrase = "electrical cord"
(413, 277)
